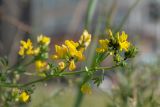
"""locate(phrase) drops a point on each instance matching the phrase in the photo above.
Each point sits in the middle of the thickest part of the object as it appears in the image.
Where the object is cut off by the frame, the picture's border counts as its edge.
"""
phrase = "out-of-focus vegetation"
(137, 85)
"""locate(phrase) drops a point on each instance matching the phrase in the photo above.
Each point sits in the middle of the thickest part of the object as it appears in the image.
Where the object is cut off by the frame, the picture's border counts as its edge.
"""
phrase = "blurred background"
(62, 19)
(66, 19)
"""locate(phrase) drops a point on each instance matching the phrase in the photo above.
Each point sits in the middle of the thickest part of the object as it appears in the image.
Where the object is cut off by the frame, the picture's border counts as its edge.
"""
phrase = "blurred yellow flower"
(24, 97)
(72, 49)
(72, 65)
(40, 65)
(86, 89)
(103, 46)
(26, 48)
(122, 40)
(27, 44)
(85, 38)
(43, 39)
(61, 51)
(80, 56)
(61, 65)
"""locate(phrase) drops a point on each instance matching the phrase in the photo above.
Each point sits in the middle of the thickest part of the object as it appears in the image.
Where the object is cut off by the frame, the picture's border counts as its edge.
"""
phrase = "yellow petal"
(61, 51)
(103, 46)
(79, 55)
(61, 65)
(71, 47)
(123, 37)
(24, 97)
(72, 65)
(21, 51)
(124, 45)
(40, 65)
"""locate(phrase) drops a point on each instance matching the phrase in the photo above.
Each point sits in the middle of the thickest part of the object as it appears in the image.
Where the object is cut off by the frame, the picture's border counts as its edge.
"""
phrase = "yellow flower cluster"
(103, 46)
(43, 40)
(41, 65)
(24, 97)
(72, 51)
(40, 53)
(26, 48)
(118, 42)
(69, 53)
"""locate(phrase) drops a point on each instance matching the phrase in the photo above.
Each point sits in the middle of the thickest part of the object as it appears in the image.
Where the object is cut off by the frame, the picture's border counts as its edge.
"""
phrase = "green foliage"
(137, 86)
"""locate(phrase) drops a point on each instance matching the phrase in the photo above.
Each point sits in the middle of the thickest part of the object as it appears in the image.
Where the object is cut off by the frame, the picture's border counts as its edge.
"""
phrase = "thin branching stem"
(11, 85)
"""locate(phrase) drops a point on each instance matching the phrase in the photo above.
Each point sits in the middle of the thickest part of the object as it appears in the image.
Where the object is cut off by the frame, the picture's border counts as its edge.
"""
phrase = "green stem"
(72, 73)
(36, 81)
(11, 85)
(79, 97)
(106, 68)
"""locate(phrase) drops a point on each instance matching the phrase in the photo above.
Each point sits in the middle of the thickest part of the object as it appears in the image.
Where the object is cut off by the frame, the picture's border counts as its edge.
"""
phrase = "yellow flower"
(43, 39)
(24, 97)
(122, 40)
(25, 44)
(72, 65)
(61, 51)
(86, 89)
(61, 65)
(80, 56)
(26, 48)
(71, 45)
(85, 38)
(103, 46)
(72, 49)
(40, 65)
